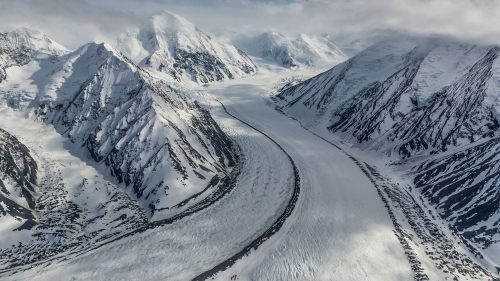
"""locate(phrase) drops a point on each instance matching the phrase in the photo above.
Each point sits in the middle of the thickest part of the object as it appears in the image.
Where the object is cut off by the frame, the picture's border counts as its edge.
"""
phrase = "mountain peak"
(303, 36)
(33, 39)
(272, 35)
(22, 45)
(171, 44)
(166, 20)
(32, 33)
(100, 48)
(168, 31)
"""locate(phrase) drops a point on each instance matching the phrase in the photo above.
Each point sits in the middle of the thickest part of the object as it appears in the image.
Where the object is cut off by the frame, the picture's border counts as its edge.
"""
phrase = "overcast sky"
(75, 22)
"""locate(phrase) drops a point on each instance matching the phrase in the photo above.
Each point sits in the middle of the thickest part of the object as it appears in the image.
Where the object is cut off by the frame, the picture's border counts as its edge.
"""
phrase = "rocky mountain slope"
(53, 201)
(170, 44)
(303, 51)
(464, 188)
(414, 100)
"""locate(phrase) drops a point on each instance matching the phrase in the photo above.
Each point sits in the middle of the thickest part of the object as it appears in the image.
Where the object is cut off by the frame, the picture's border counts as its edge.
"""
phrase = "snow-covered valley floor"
(340, 228)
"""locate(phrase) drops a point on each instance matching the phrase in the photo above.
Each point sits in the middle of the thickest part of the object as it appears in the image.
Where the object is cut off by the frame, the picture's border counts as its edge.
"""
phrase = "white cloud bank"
(75, 22)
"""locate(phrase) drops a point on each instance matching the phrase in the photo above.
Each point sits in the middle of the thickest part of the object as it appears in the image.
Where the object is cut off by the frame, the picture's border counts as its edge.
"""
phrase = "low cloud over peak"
(75, 22)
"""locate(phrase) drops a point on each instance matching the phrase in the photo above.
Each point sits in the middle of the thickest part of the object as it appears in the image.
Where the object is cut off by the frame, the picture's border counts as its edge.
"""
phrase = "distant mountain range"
(304, 51)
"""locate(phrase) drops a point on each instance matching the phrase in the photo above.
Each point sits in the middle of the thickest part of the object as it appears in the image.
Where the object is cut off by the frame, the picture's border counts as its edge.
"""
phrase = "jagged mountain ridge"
(417, 99)
(138, 126)
(304, 51)
(171, 44)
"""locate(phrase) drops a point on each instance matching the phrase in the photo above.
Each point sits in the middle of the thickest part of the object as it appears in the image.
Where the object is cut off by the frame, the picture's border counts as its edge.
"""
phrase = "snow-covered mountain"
(117, 149)
(22, 45)
(414, 100)
(171, 44)
(303, 51)
(154, 139)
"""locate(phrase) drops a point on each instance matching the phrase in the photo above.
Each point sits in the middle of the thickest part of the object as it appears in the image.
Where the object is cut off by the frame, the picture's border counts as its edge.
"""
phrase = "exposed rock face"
(464, 186)
(18, 176)
(172, 45)
(57, 214)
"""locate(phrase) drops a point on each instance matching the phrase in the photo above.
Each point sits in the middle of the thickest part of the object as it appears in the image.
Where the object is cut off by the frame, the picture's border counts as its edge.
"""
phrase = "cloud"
(368, 20)
(69, 22)
(292, 9)
(75, 22)
(469, 20)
